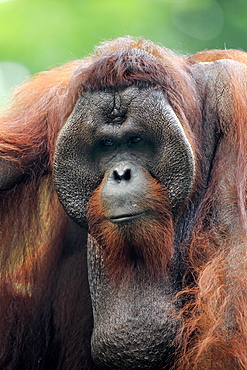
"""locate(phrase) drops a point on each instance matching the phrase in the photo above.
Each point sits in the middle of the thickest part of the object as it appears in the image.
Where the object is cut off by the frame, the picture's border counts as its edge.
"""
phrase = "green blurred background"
(40, 34)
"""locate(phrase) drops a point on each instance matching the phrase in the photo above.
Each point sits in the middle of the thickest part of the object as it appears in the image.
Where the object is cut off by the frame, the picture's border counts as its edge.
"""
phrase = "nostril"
(124, 174)
(117, 177)
(127, 175)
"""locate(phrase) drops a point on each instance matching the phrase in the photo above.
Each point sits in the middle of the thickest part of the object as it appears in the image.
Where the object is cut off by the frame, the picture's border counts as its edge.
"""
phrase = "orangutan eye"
(134, 140)
(107, 143)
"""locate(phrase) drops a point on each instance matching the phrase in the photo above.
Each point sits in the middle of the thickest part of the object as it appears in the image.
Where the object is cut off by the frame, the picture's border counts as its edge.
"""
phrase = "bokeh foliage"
(39, 34)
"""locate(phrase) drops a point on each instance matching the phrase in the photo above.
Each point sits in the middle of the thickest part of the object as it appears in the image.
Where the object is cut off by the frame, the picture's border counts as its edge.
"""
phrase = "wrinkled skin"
(82, 157)
(127, 135)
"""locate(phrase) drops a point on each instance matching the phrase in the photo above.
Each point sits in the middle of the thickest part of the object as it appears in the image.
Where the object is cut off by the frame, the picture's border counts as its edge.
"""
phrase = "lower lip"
(125, 218)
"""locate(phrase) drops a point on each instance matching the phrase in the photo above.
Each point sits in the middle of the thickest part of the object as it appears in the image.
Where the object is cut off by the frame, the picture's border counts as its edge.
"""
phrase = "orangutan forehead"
(115, 106)
(118, 111)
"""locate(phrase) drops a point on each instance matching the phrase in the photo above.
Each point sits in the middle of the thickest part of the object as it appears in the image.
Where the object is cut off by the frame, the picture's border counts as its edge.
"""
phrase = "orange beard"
(143, 244)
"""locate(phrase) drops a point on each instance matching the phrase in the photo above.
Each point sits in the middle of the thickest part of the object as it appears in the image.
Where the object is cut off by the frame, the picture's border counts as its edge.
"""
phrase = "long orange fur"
(214, 332)
(149, 239)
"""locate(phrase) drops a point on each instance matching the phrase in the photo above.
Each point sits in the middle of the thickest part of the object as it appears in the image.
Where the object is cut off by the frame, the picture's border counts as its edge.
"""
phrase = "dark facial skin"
(108, 128)
(121, 141)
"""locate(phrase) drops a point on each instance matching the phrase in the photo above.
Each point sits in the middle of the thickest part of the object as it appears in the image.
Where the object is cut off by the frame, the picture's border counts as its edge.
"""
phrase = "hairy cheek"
(143, 244)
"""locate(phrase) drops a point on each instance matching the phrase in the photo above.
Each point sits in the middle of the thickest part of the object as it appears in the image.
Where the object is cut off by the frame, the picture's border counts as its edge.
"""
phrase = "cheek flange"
(175, 162)
(74, 177)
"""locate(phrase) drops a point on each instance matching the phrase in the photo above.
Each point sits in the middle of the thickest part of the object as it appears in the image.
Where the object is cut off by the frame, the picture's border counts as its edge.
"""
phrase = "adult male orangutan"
(123, 213)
